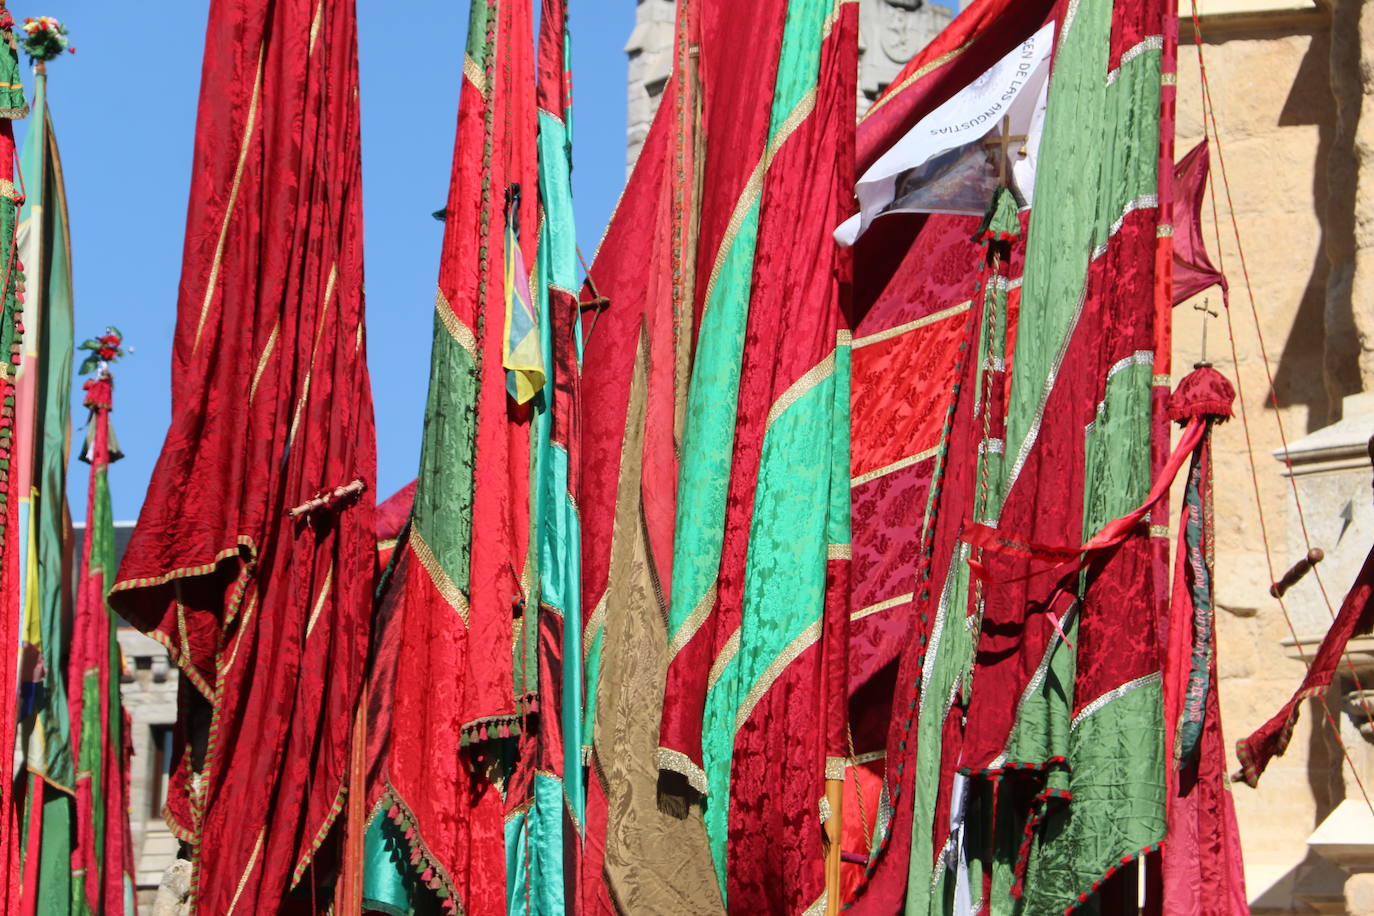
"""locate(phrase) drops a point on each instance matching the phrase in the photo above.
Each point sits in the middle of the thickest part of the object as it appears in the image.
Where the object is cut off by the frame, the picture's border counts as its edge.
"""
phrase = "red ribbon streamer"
(1071, 559)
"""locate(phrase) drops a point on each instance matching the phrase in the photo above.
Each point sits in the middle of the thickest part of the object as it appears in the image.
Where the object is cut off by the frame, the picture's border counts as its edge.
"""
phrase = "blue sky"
(124, 109)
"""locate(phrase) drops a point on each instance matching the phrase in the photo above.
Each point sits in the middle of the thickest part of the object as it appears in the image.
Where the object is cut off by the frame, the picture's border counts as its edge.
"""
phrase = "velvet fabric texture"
(264, 613)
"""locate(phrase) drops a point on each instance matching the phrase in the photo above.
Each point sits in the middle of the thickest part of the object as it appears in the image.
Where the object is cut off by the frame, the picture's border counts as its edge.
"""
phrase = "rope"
(1269, 376)
(1209, 118)
(858, 791)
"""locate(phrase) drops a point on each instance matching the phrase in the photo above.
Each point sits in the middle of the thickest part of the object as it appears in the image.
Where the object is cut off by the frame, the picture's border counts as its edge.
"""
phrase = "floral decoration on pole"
(44, 38)
(101, 350)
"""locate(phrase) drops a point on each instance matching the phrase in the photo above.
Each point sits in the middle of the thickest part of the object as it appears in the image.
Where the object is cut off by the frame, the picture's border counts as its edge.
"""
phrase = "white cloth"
(942, 165)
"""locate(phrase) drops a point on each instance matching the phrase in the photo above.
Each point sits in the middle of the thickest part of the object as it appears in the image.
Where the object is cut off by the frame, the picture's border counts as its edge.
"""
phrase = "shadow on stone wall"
(1313, 367)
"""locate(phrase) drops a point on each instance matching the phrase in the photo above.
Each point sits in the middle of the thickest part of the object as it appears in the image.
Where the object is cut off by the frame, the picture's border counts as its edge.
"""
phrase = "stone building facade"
(148, 689)
(1296, 123)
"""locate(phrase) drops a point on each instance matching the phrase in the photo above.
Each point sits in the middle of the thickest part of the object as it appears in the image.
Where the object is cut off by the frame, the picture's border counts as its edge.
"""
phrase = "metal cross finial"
(1002, 144)
(1206, 310)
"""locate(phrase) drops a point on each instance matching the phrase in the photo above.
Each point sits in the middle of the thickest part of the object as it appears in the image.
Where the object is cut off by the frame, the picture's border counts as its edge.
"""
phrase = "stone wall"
(149, 693)
(1271, 76)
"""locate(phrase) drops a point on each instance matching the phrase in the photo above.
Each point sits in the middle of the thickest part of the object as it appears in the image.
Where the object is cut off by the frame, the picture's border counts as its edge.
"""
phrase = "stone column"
(650, 53)
(891, 32)
(1349, 357)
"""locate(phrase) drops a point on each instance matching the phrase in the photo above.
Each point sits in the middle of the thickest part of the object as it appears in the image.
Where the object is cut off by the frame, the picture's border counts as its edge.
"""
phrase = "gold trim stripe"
(243, 881)
(151, 581)
(445, 586)
(233, 198)
(794, 393)
(329, 284)
(460, 332)
(248, 610)
(262, 360)
(680, 763)
(835, 12)
(727, 655)
(319, 602)
(596, 621)
(839, 552)
(859, 760)
(753, 188)
(897, 465)
(861, 613)
(894, 91)
(880, 336)
(475, 75)
(315, 27)
(804, 640)
(694, 620)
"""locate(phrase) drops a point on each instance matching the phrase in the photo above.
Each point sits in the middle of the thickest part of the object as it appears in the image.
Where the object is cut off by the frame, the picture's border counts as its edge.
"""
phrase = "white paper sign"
(951, 162)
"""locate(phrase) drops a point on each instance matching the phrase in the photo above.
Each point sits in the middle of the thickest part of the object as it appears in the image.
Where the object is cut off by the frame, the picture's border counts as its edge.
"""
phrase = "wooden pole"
(834, 834)
(348, 893)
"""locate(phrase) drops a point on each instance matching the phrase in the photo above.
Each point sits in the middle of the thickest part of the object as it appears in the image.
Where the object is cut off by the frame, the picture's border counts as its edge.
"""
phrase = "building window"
(161, 775)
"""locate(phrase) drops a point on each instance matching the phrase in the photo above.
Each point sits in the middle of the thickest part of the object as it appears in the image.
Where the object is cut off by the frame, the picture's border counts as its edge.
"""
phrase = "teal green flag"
(44, 395)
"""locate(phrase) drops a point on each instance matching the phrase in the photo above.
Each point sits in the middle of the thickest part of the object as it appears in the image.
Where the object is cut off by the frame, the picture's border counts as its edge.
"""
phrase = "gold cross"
(1206, 310)
(1002, 144)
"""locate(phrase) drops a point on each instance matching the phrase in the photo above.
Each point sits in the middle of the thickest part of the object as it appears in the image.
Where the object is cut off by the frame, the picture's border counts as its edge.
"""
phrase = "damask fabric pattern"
(265, 614)
(899, 256)
(754, 696)
(641, 858)
(1007, 737)
(460, 604)
(638, 856)
(903, 517)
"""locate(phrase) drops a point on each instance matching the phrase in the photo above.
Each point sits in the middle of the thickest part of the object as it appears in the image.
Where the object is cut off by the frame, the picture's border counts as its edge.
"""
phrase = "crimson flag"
(264, 612)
